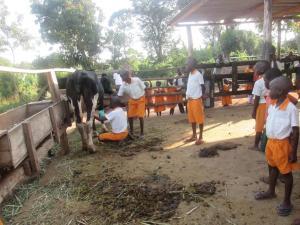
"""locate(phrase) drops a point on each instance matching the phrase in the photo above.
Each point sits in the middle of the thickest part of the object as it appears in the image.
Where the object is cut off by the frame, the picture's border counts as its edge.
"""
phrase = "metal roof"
(228, 10)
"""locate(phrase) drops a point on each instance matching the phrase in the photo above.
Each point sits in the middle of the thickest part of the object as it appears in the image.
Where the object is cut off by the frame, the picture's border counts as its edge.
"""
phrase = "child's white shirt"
(259, 89)
(281, 121)
(118, 120)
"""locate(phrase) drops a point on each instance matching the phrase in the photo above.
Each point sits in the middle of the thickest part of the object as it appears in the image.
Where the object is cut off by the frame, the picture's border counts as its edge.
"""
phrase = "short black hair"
(124, 73)
(103, 74)
(158, 83)
(115, 101)
(262, 66)
(193, 62)
(272, 73)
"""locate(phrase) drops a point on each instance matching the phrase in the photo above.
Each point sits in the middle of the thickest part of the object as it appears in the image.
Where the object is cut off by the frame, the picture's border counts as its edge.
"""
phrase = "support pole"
(267, 29)
(279, 39)
(53, 86)
(190, 40)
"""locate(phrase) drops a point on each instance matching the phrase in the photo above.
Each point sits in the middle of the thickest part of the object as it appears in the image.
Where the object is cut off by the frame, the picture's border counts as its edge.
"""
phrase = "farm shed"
(224, 12)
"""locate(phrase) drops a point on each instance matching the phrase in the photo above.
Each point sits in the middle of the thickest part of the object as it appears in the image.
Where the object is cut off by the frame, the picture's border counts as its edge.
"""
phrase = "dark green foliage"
(72, 24)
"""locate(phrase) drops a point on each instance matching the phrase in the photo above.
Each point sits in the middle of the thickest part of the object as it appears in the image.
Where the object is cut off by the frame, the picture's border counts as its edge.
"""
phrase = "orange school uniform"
(279, 127)
(158, 100)
(226, 100)
(113, 136)
(195, 111)
(171, 98)
(136, 107)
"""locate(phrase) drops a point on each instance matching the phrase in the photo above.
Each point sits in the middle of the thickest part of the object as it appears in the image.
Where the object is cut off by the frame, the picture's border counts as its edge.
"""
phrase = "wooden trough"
(28, 132)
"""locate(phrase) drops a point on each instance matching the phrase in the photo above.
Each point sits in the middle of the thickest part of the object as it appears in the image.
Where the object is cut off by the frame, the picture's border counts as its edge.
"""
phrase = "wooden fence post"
(64, 143)
(234, 77)
(33, 157)
(54, 125)
(53, 86)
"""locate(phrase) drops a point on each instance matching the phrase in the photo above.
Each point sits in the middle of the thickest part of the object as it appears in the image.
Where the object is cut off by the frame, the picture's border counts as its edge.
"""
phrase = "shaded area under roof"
(227, 10)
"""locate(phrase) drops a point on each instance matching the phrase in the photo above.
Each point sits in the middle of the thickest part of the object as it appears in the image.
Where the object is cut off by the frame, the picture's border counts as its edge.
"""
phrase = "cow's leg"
(79, 124)
(91, 106)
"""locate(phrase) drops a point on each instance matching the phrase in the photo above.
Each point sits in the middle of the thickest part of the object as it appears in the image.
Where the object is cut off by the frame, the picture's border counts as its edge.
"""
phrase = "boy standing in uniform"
(194, 95)
(135, 89)
(282, 128)
(259, 107)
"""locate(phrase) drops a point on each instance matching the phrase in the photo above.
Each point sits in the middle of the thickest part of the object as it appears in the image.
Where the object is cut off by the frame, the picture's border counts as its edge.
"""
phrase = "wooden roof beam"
(287, 11)
(188, 10)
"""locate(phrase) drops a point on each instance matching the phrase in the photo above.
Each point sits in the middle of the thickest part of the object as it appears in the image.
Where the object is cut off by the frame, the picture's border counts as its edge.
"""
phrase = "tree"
(153, 17)
(74, 25)
(12, 35)
(233, 40)
(119, 37)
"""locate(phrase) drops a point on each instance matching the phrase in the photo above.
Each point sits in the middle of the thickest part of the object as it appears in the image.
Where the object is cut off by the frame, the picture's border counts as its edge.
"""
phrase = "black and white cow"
(84, 89)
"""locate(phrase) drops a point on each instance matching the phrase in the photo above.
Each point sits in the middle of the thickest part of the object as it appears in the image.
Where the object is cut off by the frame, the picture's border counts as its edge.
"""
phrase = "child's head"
(270, 75)
(147, 84)
(126, 76)
(158, 83)
(226, 81)
(115, 102)
(190, 65)
(280, 87)
(170, 82)
(261, 67)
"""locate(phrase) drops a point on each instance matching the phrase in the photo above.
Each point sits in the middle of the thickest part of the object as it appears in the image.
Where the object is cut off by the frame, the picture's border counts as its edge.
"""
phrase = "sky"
(22, 7)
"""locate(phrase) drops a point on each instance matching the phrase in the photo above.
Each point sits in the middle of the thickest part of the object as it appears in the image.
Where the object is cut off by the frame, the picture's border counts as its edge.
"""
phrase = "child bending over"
(118, 120)
(282, 128)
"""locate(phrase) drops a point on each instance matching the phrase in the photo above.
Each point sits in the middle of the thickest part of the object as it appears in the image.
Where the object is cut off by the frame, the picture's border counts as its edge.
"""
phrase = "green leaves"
(74, 25)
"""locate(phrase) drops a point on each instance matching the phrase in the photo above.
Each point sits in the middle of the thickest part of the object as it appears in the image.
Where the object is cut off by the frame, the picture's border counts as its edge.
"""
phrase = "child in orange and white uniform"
(226, 100)
(282, 129)
(118, 120)
(259, 106)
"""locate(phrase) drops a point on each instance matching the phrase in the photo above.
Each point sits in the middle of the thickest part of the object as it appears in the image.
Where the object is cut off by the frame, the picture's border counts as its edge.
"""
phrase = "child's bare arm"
(294, 144)
(255, 106)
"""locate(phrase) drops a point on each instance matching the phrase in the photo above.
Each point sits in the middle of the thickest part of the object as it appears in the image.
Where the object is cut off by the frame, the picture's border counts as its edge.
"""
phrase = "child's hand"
(292, 158)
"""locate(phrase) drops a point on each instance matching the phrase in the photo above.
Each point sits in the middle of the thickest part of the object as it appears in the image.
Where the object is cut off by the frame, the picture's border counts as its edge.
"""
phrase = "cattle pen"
(29, 131)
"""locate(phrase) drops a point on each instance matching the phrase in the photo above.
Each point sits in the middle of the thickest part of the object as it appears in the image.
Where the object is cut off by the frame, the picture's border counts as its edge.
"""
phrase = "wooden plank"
(12, 117)
(41, 126)
(31, 147)
(278, 39)
(54, 124)
(18, 145)
(53, 86)
(234, 78)
(18, 70)
(9, 182)
(64, 143)
(35, 107)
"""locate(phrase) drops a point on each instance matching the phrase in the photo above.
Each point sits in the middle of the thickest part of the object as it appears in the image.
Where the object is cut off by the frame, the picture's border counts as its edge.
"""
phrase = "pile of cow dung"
(212, 151)
(129, 148)
(154, 198)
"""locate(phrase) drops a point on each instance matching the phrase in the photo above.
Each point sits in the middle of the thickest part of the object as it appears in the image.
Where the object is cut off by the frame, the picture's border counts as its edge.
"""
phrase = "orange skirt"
(277, 155)
(113, 136)
(260, 117)
(159, 99)
(195, 111)
(226, 100)
(136, 108)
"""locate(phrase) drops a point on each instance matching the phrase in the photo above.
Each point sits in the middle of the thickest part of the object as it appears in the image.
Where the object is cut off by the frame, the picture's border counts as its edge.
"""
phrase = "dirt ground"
(61, 195)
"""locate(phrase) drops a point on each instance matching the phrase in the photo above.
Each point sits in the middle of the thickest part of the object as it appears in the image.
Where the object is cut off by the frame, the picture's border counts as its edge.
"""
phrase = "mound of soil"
(208, 152)
(206, 188)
